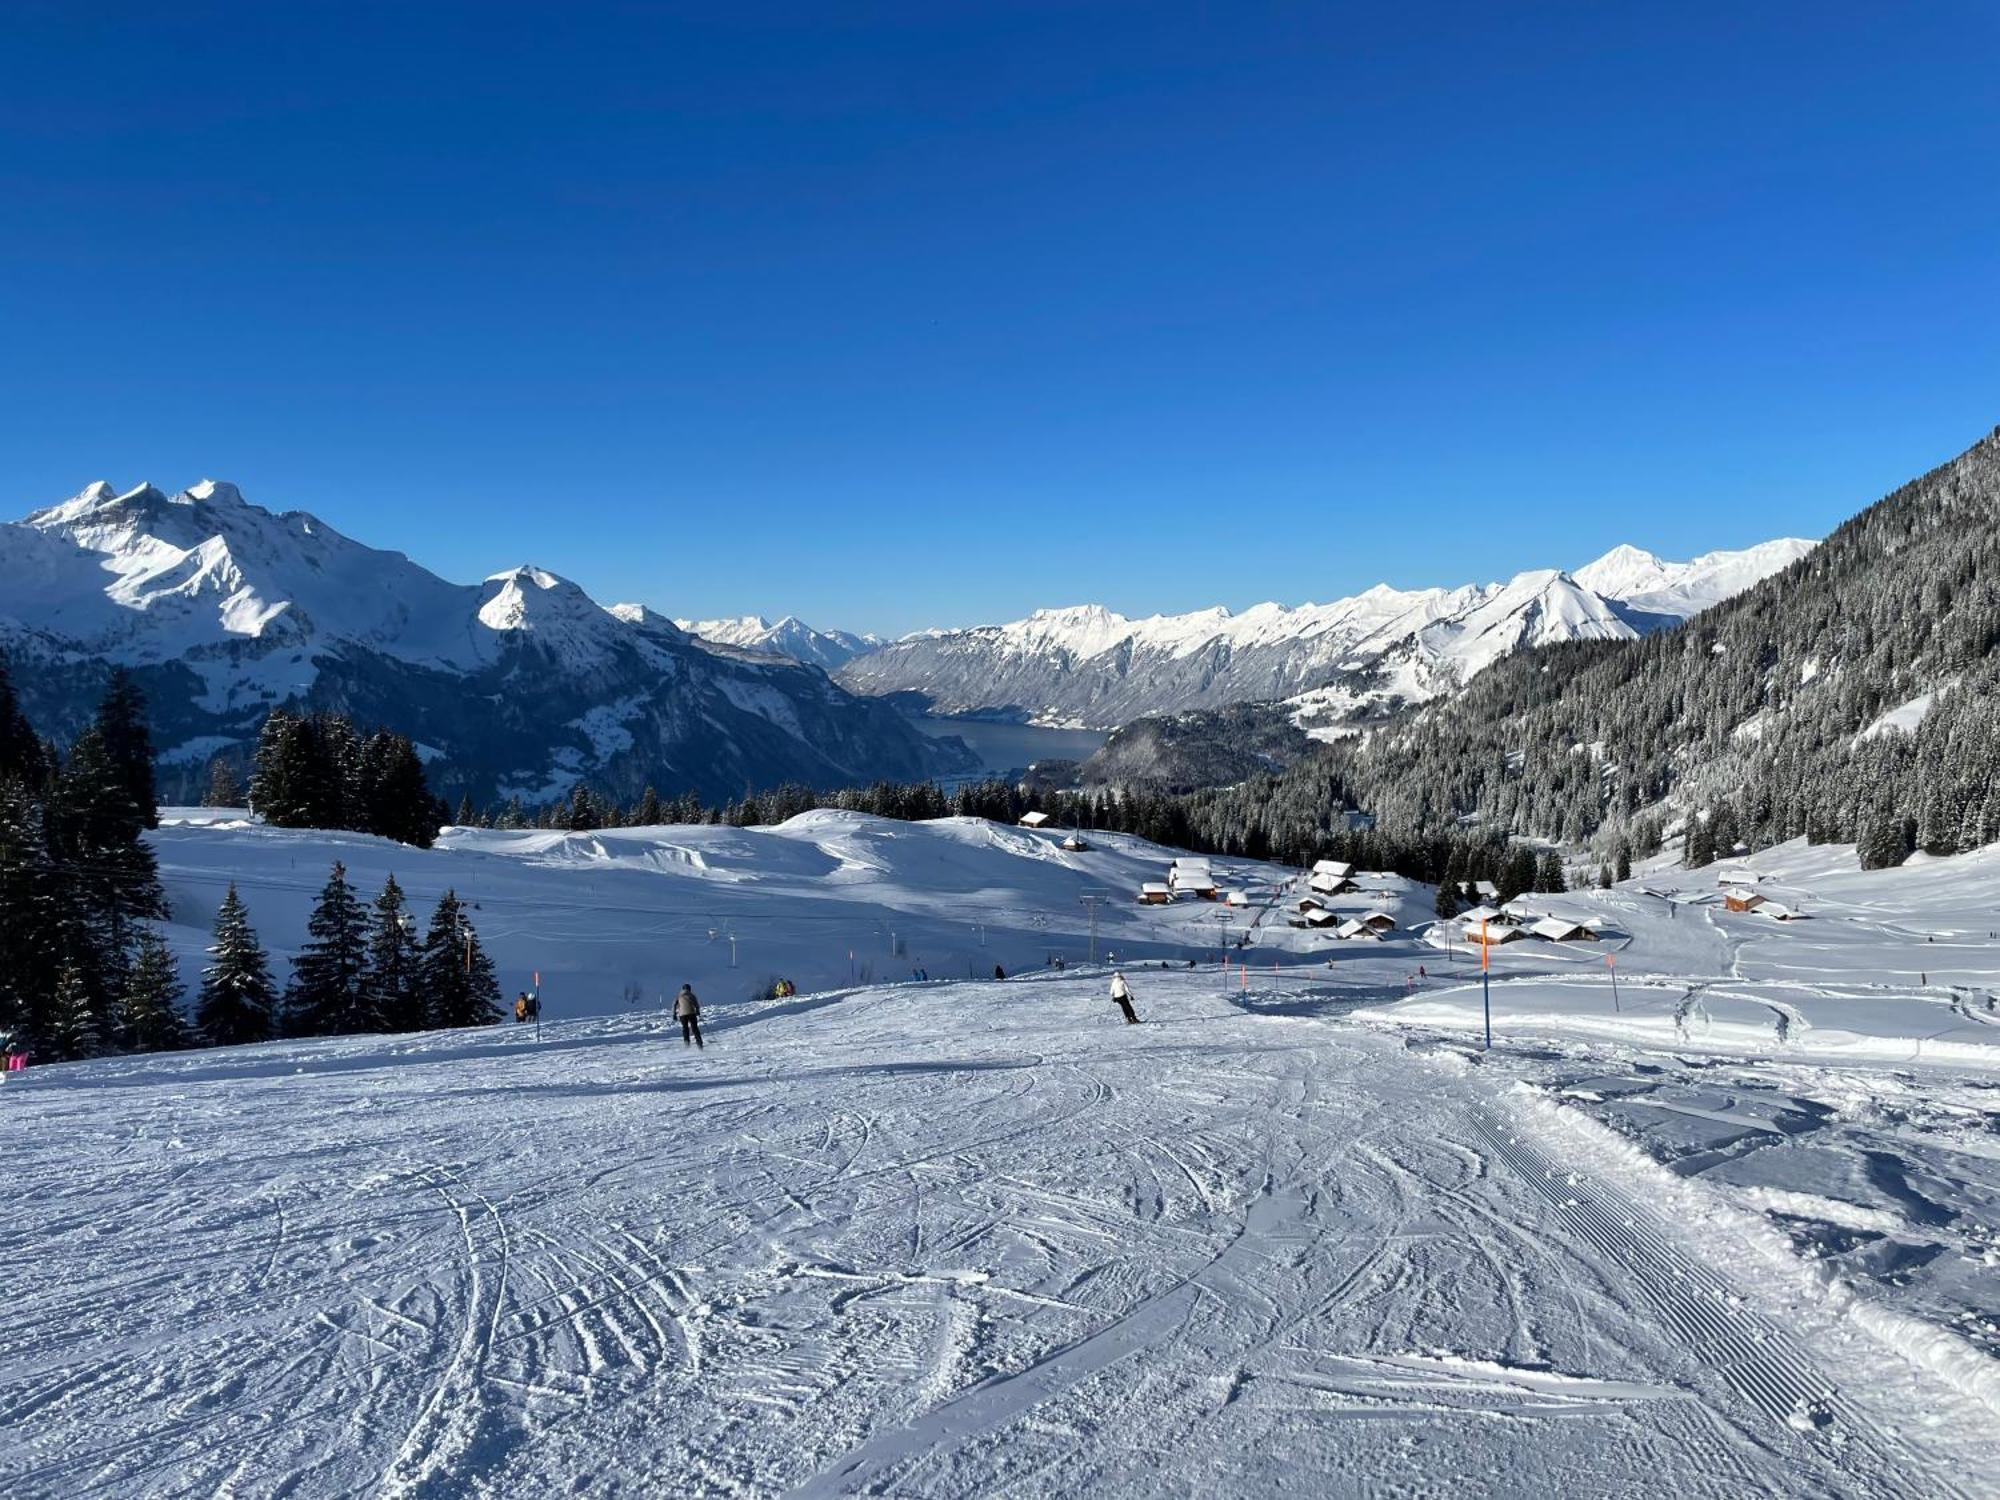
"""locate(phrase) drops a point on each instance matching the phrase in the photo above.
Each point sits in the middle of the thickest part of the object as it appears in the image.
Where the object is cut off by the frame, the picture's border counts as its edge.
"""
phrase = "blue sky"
(893, 315)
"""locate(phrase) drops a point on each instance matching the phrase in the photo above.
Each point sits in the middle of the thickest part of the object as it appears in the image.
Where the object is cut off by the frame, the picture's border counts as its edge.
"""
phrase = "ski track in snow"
(963, 1240)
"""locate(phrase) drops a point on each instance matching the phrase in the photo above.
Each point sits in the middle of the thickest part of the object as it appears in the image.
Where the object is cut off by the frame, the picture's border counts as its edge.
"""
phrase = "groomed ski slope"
(965, 1239)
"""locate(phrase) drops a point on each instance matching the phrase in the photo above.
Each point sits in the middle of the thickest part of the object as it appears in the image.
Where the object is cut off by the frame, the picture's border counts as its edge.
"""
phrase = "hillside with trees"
(1849, 698)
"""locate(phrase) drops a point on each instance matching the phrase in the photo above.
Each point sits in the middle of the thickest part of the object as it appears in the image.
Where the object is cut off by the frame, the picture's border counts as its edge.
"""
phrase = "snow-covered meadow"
(1294, 1233)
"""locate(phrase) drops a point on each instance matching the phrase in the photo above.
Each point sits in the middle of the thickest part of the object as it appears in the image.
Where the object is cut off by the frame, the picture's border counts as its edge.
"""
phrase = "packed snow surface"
(1293, 1234)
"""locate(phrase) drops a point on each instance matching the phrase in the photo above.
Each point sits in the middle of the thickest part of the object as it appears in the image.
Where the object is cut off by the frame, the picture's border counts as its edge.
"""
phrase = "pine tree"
(1447, 900)
(238, 1000)
(327, 995)
(647, 814)
(128, 741)
(465, 817)
(1549, 873)
(390, 980)
(149, 1012)
(21, 754)
(1623, 869)
(456, 976)
(224, 790)
(29, 944)
(72, 1030)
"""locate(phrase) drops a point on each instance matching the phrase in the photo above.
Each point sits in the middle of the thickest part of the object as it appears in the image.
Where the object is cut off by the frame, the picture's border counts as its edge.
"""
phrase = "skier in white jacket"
(1121, 996)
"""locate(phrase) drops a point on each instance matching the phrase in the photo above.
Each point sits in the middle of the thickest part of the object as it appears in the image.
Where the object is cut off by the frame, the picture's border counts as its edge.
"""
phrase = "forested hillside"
(1848, 697)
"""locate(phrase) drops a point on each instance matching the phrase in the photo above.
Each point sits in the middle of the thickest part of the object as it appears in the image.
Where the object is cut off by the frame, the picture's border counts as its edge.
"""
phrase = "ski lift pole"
(1611, 963)
(538, 1007)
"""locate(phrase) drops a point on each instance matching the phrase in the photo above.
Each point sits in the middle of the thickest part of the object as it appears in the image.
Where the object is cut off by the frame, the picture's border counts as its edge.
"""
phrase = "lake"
(1005, 748)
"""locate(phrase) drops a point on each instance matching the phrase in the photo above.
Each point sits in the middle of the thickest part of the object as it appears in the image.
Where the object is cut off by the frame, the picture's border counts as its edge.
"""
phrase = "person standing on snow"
(1121, 996)
(687, 1010)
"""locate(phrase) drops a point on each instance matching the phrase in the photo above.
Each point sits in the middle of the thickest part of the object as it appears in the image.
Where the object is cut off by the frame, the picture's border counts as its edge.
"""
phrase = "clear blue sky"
(891, 315)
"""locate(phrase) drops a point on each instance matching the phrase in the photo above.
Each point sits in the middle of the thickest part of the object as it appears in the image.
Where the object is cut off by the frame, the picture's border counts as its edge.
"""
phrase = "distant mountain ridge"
(789, 637)
(519, 685)
(1349, 660)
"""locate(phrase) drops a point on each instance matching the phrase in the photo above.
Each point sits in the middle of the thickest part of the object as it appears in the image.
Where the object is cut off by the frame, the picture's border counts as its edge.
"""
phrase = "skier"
(687, 1010)
(1121, 996)
(998, 972)
(523, 1010)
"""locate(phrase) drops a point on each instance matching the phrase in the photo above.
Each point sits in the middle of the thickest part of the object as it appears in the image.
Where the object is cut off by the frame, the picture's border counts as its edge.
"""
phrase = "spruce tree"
(456, 976)
(1447, 900)
(238, 1000)
(1623, 871)
(327, 995)
(30, 946)
(390, 980)
(72, 1030)
(149, 1011)
(224, 790)
(647, 814)
(21, 755)
(128, 741)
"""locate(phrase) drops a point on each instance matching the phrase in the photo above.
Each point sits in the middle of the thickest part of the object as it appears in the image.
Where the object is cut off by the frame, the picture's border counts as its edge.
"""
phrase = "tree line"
(84, 968)
(362, 969)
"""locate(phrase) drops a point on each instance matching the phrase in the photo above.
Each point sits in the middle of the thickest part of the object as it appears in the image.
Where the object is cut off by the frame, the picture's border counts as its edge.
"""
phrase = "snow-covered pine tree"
(1447, 900)
(238, 1000)
(327, 995)
(21, 753)
(390, 979)
(149, 1011)
(1623, 869)
(29, 945)
(224, 789)
(72, 1030)
(128, 741)
(456, 976)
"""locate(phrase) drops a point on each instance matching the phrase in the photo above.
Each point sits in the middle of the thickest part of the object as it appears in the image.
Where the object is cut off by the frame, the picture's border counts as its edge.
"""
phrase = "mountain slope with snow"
(1361, 655)
(790, 637)
(1292, 1235)
(521, 684)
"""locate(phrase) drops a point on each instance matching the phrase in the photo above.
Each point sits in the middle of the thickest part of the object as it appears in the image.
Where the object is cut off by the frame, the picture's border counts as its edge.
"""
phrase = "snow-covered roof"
(1479, 914)
(1354, 927)
(1736, 877)
(1558, 929)
(1155, 888)
(1034, 819)
(1238, 898)
(1338, 867)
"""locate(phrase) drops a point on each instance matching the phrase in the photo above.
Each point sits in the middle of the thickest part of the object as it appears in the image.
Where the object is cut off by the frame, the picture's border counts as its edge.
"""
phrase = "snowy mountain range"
(1353, 658)
(521, 684)
(790, 637)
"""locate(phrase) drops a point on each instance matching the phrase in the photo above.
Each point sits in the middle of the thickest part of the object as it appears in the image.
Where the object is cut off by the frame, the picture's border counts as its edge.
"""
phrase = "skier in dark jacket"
(687, 1010)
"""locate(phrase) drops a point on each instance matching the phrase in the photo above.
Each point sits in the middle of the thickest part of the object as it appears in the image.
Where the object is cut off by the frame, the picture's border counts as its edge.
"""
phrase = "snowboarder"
(1121, 996)
(687, 1010)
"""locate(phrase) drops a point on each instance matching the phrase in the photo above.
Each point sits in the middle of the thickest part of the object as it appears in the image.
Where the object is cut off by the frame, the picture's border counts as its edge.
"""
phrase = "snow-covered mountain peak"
(214, 492)
(1087, 664)
(531, 598)
(1624, 569)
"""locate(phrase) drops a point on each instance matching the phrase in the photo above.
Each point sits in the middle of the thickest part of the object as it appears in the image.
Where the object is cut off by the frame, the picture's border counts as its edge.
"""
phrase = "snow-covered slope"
(522, 683)
(790, 637)
(982, 1238)
(1679, 589)
(1088, 665)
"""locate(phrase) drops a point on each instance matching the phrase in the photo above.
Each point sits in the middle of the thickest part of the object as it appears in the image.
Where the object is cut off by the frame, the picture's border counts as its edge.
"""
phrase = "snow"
(1905, 718)
(1291, 1235)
